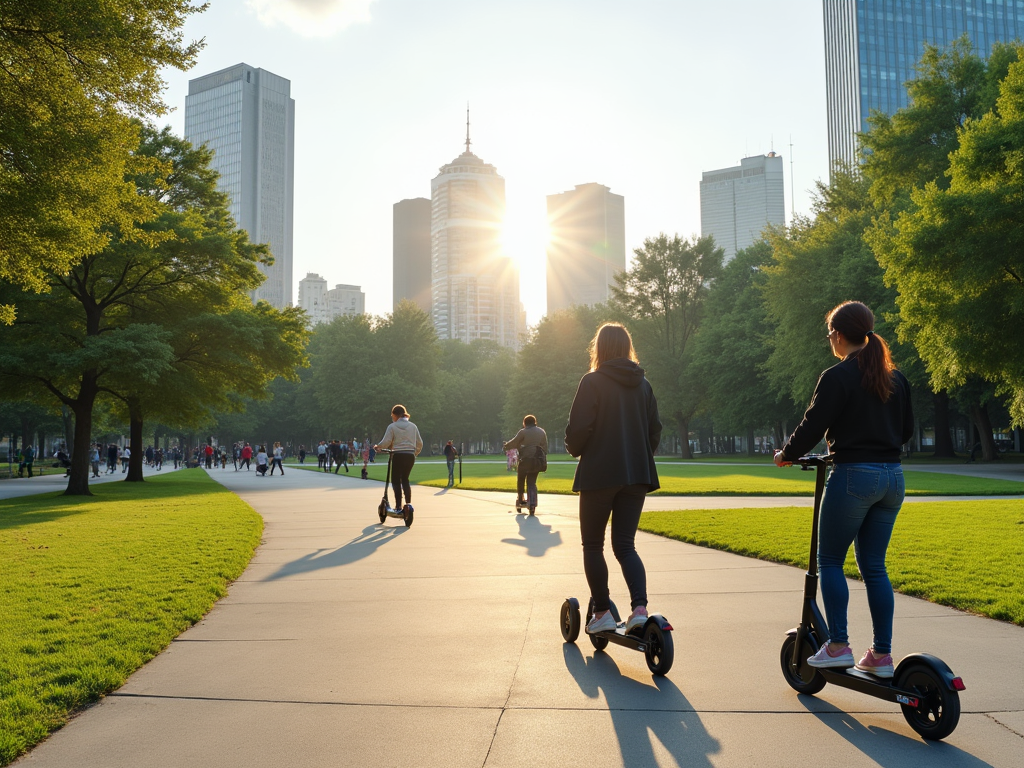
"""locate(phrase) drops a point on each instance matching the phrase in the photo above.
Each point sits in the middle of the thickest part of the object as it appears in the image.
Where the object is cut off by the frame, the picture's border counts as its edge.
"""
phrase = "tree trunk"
(78, 482)
(943, 439)
(979, 414)
(135, 440)
(67, 418)
(683, 425)
(750, 441)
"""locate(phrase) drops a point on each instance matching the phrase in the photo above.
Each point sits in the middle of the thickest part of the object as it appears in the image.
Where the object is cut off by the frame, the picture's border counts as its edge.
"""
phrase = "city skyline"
(642, 98)
(738, 202)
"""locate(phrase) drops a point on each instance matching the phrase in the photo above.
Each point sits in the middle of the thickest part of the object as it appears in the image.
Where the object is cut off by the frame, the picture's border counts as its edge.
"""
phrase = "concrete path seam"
(1004, 725)
(512, 683)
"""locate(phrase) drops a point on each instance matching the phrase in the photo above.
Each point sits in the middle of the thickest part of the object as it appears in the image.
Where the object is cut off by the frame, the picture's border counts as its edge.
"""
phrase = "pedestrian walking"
(246, 456)
(126, 455)
(94, 459)
(861, 406)
(28, 457)
(111, 458)
(321, 455)
(451, 453)
(278, 459)
(614, 429)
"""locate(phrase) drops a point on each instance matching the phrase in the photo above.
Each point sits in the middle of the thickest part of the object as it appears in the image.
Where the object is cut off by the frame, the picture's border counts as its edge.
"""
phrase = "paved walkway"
(349, 643)
(14, 487)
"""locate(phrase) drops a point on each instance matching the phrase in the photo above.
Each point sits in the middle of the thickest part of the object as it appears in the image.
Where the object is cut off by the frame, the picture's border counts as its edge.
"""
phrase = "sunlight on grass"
(968, 555)
(95, 587)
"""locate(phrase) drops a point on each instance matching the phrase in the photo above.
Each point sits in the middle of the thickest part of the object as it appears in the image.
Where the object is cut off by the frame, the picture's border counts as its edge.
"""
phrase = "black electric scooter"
(384, 510)
(924, 687)
(653, 638)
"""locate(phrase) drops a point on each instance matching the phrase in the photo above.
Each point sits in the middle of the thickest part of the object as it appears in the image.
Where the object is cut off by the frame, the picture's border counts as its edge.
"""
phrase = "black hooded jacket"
(614, 428)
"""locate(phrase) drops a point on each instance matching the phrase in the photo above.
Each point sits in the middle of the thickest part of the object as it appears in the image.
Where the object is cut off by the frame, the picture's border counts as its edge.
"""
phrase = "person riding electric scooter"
(402, 437)
(532, 443)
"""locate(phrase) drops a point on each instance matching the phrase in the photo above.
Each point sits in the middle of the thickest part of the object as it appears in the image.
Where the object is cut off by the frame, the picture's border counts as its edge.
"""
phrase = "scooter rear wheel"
(938, 711)
(659, 649)
(803, 678)
(569, 621)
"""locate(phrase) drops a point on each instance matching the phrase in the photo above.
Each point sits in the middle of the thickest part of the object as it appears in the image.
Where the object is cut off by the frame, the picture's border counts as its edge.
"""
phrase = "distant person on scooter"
(861, 406)
(403, 438)
(532, 444)
(614, 429)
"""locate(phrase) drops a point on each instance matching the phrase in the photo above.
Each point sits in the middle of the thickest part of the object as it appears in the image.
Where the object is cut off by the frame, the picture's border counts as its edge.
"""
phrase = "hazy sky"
(638, 95)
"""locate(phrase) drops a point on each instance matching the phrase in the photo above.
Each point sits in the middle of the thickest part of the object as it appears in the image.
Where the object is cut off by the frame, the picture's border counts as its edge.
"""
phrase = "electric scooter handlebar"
(814, 460)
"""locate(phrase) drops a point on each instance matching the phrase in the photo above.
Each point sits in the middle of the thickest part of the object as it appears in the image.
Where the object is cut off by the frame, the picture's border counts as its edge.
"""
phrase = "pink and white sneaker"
(826, 659)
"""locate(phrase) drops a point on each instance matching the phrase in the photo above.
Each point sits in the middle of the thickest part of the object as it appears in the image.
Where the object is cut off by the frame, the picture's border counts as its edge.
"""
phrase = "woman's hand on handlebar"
(781, 462)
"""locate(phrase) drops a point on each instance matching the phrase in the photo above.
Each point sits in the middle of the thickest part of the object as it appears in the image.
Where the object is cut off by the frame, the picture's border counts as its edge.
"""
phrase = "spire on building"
(467, 127)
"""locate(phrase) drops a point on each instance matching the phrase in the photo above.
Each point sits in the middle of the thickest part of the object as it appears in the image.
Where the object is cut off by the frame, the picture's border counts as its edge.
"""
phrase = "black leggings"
(623, 503)
(401, 466)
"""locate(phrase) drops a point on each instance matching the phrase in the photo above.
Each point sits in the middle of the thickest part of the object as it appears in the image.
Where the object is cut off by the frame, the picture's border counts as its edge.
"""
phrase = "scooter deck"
(879, 687)
(619, 637)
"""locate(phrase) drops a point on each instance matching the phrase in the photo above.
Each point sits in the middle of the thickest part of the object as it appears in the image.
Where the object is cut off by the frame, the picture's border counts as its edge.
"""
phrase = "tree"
(109, 323)
(732, 349)
(73, 75)
(956, 255)
(662, 298)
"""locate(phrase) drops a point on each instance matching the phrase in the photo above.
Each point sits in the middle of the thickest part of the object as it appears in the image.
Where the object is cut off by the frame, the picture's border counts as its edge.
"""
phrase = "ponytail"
(856, 322)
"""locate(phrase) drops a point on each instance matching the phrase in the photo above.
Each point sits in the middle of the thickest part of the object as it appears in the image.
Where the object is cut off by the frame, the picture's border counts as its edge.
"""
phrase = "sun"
(524, 237)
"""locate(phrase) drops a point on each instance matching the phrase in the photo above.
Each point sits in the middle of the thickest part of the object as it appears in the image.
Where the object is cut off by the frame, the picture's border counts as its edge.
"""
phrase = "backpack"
(533, 459)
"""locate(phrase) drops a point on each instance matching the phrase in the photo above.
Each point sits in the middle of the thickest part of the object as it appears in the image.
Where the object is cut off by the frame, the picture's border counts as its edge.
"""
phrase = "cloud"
(312, 18)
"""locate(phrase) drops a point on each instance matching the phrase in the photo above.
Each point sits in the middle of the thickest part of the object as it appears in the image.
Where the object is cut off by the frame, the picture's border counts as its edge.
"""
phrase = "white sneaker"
(636, 620)
(604, 624)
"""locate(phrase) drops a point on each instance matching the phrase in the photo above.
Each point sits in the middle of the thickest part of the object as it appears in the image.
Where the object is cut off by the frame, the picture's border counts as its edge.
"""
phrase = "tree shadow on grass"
(889, 749)
(370, 539)
(642, 714)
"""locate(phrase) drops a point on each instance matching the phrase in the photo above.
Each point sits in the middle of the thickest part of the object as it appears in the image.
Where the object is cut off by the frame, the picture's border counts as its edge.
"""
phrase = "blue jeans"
(451, 471)
(859, 507)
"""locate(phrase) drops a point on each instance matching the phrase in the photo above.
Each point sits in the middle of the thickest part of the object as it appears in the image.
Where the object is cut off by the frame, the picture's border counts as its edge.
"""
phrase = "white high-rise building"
(346, 300)
(313, 298)
(247, 117)
(736, 204)
(474, 285)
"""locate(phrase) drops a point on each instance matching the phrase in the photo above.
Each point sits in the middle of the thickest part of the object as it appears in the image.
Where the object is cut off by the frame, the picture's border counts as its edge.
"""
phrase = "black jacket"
(858, 427)
(614, 428)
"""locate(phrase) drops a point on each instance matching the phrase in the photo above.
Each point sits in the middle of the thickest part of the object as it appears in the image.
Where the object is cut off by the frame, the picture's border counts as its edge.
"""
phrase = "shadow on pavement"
(537, 537)
(372, 538)
(642, 713)
(888, 748)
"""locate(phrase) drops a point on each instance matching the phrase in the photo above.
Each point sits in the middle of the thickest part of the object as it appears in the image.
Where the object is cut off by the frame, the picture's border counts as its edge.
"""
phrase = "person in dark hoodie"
(614, 430)
(861, 407)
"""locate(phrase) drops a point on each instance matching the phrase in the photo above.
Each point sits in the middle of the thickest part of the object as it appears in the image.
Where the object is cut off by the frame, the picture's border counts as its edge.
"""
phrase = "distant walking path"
(29, 486)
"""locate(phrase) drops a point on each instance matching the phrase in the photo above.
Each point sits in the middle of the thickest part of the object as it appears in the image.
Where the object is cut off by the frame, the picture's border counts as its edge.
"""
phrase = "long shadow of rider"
(640, 712)
(888, 748)
(372, 538)
(537, 538)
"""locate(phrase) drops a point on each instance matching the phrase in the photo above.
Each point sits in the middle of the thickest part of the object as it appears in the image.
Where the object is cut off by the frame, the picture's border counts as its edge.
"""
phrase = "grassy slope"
(95, 587)
(968, 555)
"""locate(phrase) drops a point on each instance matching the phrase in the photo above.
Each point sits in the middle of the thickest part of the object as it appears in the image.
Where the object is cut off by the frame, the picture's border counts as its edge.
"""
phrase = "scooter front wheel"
(938, 709)
(658, 648)
(569, 620)
(802, 678)
(382, 512)
(407, 514)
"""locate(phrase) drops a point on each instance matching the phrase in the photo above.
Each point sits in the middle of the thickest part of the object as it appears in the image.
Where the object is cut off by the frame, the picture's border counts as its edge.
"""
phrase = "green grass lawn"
(968, 555)
(686, 479)
(95, 587)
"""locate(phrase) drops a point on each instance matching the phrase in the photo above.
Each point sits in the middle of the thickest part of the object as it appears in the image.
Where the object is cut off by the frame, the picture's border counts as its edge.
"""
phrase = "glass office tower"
(247, 117)
(872, 47)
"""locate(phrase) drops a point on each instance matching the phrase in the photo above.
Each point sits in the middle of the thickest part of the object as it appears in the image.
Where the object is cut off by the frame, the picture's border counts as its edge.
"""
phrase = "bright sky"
(638, 95)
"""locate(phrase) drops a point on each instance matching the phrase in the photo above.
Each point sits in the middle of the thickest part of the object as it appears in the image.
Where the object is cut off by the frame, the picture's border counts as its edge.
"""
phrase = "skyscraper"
(345, 300)
(410, 246)
(587, 245)
(247, 117)
(474, 286)
(736, 204)
(872, 47)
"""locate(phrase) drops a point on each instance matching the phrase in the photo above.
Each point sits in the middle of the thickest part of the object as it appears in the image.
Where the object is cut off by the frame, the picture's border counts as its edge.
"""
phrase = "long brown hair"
(856, 322)
(611, 341)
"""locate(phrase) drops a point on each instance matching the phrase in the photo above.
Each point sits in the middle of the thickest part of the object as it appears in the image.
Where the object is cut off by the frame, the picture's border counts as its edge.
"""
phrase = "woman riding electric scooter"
(402, 437)
(614, 430)
(861, 406)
